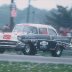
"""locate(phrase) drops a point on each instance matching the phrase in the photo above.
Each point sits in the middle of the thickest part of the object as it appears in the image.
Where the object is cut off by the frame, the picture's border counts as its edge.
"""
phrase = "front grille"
(7, 42)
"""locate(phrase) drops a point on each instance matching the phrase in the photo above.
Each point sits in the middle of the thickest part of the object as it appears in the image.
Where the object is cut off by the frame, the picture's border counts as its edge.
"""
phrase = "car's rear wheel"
(57, 52)
(29, 49)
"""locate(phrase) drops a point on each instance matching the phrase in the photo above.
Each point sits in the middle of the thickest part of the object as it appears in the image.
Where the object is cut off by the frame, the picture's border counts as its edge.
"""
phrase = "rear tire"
(57, 52)
(29, 49)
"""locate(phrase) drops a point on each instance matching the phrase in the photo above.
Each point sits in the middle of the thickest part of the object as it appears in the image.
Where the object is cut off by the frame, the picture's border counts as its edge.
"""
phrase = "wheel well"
(52, 44)
(62, 47)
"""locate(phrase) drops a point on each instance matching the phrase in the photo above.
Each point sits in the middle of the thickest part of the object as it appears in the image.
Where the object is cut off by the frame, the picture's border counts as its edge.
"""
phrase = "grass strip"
(33, 67)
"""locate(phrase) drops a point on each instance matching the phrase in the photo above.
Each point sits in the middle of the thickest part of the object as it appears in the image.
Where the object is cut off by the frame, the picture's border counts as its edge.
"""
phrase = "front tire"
(57, 52)
(29, 49)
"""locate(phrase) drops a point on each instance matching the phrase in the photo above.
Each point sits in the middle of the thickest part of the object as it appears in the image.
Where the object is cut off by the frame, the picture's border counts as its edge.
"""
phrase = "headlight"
(19, 38)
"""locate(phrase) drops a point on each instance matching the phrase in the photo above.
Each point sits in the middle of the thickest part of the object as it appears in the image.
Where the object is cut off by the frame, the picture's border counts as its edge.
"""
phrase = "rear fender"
(52, 45)
(62, 45)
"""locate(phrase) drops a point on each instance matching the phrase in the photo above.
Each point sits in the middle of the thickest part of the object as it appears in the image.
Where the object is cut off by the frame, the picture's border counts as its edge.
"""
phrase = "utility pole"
(12, 14)
(28, 11)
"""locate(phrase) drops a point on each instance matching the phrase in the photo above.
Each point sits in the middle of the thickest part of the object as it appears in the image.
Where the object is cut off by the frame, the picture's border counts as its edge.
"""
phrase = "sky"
(42, 4)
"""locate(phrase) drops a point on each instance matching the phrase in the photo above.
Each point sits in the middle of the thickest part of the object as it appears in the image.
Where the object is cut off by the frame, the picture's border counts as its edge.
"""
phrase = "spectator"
(6, 28)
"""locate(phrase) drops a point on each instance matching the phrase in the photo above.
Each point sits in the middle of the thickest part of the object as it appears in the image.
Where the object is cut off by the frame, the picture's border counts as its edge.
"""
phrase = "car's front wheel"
(29, 49)
(57, 52)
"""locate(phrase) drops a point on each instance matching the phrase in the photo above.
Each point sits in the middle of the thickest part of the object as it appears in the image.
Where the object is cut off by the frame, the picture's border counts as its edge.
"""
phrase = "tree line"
(59, 17)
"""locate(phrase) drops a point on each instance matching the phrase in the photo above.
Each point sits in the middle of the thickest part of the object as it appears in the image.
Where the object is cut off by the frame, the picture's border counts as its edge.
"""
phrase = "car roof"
(36, 25)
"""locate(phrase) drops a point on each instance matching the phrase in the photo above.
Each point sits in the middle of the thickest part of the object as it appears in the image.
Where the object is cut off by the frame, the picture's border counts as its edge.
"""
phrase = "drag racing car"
(38, 37)
(29, 38)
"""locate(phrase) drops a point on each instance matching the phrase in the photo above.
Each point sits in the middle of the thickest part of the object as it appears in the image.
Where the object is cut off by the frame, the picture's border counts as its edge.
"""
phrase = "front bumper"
(11, 44)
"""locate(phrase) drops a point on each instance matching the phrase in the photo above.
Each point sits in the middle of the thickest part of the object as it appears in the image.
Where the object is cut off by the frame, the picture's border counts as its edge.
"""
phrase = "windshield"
(25, 29)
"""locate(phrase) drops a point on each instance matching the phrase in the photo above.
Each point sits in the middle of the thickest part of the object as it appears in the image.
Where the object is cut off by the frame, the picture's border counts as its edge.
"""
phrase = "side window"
(43, 31)
(51, 32)
(34, 30)
(30, 30)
